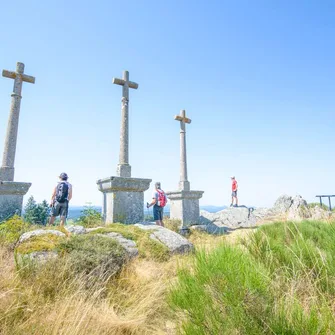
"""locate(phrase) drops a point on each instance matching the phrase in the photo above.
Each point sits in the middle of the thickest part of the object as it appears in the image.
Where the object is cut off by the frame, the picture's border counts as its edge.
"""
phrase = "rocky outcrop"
(285, 208)
(176, 243)
(75, 230)
(129, 246)
(39, 232)
(233, 217)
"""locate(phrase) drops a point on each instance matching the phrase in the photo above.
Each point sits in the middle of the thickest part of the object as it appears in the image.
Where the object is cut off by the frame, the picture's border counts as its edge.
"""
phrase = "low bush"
(11, 230)
(90, 253)
(90, 218)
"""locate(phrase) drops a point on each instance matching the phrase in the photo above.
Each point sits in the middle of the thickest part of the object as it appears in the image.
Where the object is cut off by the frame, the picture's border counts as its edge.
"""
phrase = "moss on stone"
(147, 247)
(46, 242)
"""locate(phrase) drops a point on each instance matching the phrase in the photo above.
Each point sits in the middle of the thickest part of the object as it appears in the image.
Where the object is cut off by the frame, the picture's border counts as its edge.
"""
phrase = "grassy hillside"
(278, 279)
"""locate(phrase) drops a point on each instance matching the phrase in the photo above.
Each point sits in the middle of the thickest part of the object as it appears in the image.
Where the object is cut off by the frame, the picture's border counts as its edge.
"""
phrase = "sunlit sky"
(257, 78)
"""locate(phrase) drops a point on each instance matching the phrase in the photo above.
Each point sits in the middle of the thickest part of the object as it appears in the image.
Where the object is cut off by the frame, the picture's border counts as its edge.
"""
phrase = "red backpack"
(161, 198)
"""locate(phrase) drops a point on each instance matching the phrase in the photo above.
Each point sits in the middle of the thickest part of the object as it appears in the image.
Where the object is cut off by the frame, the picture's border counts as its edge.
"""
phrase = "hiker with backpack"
(159, 201)
(61, 196)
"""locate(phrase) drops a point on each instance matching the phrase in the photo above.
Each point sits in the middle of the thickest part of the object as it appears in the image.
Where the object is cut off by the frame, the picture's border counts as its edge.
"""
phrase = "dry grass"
(132, 303)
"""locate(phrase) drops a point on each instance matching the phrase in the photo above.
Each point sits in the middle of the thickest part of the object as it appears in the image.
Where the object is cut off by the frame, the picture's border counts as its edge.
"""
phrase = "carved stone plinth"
(184, 206)
(123, 199)
(11, 198)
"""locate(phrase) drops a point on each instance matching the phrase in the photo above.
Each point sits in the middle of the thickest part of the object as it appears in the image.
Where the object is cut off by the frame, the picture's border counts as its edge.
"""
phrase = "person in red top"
(234, 192)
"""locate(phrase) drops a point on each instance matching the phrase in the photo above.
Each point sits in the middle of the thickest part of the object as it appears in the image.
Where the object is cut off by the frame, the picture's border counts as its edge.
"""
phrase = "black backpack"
(62, 192)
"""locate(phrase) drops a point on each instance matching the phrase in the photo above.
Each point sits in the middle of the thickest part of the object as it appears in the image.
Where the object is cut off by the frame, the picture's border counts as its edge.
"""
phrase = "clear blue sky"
(257, 78)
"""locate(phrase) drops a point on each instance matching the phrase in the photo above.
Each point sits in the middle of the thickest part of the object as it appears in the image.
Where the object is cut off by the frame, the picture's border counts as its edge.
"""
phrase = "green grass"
(280, 281)
(147, 247)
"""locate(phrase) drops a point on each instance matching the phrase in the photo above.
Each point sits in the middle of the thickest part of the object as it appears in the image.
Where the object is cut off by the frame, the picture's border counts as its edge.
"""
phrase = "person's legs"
(62, 221)
(63, 213)
(161, 217)
(52, 220)
(55, 211)
(156, 215)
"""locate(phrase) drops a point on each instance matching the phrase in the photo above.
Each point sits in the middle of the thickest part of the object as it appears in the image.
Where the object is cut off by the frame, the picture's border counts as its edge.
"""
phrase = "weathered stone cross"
(7, 168)
(184, 184)
(124, 169)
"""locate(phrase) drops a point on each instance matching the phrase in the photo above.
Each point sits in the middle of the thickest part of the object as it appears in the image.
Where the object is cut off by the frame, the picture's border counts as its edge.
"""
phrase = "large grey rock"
(283, 204)
(210, 228)
(129, 246)
(176, 243)
(299, 209)
(233, 217)
(75, 230)
(39, 232)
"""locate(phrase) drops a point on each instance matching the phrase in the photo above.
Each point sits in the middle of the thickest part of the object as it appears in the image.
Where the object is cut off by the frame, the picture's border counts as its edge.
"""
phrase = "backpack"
(62, 192)
(161, 198)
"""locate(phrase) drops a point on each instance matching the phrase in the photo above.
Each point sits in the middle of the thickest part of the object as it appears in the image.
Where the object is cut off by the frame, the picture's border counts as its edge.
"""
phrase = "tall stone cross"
(124, 169)
(184, 184)
(7, 168)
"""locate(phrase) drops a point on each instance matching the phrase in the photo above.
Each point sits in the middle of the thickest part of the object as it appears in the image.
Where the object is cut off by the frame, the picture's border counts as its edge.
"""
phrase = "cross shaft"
(124, 169)
(7, 168)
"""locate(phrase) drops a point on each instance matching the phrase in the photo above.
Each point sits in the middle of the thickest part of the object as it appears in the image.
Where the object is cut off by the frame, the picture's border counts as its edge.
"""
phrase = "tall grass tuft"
(281, 281)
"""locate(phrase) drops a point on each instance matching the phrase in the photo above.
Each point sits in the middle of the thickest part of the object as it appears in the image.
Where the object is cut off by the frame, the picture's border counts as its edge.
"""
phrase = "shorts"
(234, 194)
(60, 208)
(158, 213)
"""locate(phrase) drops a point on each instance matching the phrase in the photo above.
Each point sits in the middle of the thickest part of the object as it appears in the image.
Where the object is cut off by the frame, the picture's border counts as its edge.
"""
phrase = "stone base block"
(123, 199)
(11, 198)
(184, 206)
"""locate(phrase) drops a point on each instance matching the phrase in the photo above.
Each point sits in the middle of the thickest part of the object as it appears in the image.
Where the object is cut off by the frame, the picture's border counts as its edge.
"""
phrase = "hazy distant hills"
(76, 211)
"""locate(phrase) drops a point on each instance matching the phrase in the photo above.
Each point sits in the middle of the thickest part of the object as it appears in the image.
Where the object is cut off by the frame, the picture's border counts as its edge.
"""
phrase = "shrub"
(35, 213)
(90, 217)
(93, 254)
(11, 230)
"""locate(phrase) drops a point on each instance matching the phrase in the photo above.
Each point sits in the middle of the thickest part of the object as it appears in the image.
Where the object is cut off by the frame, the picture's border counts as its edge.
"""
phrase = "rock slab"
(39, 232)
(176, 243)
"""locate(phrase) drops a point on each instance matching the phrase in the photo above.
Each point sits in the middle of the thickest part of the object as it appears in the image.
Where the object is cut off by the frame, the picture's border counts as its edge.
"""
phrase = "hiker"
(61, 196)
(234, 192)
(159, 200)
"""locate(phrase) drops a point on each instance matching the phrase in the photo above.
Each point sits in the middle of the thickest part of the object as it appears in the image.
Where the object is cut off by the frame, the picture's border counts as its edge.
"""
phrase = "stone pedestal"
(184, 206)
(123, 199)
(11, 198)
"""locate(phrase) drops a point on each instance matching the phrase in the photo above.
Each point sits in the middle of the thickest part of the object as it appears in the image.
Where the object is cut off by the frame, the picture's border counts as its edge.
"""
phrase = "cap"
(232, 177)
(63, 175)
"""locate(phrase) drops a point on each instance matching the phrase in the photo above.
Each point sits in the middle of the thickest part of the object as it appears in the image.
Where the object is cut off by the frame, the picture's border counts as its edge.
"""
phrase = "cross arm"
(12, 75)
(9, 74)
(121, 82)
(184, 119)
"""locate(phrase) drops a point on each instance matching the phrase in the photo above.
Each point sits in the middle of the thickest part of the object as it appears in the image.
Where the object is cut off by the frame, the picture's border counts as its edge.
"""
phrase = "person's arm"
(154, 200)
(53, 197)
(70, 193)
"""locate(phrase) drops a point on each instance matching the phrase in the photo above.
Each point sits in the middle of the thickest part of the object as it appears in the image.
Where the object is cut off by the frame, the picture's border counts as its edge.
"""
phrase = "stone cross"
(7, 168)
(124, 169)
(184, 184)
